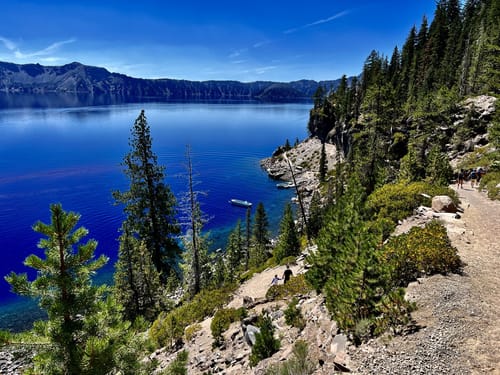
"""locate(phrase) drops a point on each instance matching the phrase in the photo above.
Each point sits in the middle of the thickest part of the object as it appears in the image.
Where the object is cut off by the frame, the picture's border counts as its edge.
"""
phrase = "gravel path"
(458, 313)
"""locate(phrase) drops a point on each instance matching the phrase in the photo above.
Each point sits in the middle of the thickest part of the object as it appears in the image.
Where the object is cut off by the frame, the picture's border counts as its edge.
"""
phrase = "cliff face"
(79, 78)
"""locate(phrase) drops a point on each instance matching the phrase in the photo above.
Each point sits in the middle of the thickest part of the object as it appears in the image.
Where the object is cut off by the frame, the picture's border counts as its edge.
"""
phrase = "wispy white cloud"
(9, 44)
(265, 69)
(318, 22)
(262, 43)
(237, 53)
(54, 47)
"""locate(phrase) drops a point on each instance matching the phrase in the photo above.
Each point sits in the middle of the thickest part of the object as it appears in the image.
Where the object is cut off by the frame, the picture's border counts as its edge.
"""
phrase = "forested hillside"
(402, 105)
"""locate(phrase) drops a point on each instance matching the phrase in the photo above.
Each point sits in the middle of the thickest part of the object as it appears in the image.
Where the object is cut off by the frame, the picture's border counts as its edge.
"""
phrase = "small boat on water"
(285, 185)
(240, 203)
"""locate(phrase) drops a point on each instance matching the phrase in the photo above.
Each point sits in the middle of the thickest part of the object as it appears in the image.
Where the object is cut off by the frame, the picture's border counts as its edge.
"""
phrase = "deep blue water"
(73, 156)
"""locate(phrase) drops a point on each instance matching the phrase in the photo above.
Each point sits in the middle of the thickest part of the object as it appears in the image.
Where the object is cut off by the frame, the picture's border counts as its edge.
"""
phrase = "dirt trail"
(458, 314)
(479, 248)
(258, 285)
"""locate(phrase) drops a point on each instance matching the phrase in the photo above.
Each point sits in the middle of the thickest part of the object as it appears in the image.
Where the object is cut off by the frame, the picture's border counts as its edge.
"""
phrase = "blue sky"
(274, 40)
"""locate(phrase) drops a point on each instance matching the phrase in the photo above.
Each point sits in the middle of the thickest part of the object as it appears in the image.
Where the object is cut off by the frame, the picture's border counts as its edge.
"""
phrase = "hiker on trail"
(275, 280)
(460, 179)
(480, 173)
(287, 274)
(472, 177)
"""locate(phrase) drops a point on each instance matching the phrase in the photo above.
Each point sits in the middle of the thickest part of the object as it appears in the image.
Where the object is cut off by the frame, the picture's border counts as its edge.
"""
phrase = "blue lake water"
(73, 156)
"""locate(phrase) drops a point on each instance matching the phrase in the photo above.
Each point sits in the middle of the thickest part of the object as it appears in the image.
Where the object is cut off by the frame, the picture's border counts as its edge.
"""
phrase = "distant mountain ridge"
(83, 79)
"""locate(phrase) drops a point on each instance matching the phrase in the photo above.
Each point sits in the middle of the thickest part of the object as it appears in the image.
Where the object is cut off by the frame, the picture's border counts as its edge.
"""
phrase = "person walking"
(275, 280)
(287, 274)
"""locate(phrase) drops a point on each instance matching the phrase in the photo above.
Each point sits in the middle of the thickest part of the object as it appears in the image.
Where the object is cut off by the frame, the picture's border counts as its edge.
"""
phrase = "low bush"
(191, 331)
(490, 181)
(298, 364)
(293, 315)
(295, 286)
(222, 320)
(178, 365)
(394, 312)
(265, 343)
(421, 251)
(168, 329)
(5, 337)
(397, 201)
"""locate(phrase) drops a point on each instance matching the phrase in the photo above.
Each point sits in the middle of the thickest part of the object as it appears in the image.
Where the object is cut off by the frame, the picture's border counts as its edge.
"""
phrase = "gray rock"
(250, 332)
(443, 203)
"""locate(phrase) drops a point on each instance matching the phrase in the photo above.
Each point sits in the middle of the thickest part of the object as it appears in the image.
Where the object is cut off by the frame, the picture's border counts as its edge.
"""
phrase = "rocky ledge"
(303, 161)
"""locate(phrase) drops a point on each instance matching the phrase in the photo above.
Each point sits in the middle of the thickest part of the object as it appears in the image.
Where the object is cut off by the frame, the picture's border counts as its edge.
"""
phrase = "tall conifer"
(149, 204)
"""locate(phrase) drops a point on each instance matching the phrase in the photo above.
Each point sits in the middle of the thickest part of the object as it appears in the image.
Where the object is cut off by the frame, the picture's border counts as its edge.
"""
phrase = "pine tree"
(316, 211)
(438, 170)
(85, 329)
(260, 237)
(288, 241)
(136, 281)
(346, 266)
(235, 252)
(248, 236)
(323, 164)
(149, 204)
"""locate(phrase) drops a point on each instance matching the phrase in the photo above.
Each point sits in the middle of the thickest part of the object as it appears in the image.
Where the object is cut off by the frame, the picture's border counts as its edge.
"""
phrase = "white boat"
(285, 185)
(240, 203)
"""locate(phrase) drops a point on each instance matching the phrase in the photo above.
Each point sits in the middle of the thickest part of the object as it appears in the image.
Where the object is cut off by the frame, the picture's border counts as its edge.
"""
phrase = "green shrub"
(222, 320)
(168, 328)
(489, 182)
(421, 251)
(293, 315)
(397, 201)
(394, 312)
(362, 331)
(265, 343)
(191, 331)
(5, 337)
(298, 364)
(295, 286)
(178, 365)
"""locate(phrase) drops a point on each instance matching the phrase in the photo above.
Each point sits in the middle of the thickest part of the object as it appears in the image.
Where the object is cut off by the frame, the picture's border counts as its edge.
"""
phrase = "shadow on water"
(69, 100)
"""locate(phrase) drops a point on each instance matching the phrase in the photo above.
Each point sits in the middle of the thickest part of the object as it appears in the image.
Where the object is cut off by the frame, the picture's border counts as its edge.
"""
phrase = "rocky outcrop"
(470, 126)
(303, 159)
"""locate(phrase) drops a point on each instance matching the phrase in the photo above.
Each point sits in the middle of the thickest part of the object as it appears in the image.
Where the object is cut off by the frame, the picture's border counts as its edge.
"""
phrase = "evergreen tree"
(261, 226)
(438, 169)
(287, 145)
(346, 266)
(248, 236)
(288, 241)
(235, 252)
(260, 237)
(149, 204)
(323, 164)
(265, 343)
(315, 220)
(85, 329)
(137, 284)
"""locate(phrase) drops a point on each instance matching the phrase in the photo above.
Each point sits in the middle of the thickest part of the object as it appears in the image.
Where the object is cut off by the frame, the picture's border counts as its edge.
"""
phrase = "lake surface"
(73, 156)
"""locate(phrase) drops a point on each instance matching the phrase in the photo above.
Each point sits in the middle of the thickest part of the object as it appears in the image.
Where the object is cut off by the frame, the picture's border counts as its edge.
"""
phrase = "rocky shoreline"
(304, 161)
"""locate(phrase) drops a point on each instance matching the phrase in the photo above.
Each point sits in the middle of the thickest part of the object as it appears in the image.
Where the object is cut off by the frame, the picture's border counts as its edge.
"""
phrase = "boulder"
(250, 332)
(443, 203)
